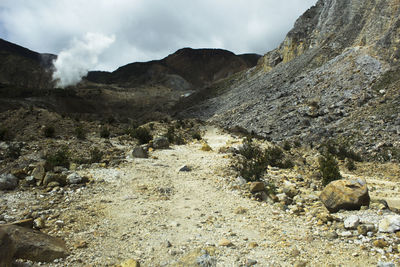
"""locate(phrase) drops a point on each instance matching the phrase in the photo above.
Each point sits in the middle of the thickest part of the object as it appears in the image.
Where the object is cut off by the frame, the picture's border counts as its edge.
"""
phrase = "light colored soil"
(147, 210)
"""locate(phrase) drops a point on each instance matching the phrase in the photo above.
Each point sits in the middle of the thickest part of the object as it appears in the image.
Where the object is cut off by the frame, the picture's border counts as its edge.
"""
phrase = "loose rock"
(8, 182)
(345, 194)
(257, 187)
(351, 222)
(390, 224)
(160, 142)
(140, 152)
(34, 245)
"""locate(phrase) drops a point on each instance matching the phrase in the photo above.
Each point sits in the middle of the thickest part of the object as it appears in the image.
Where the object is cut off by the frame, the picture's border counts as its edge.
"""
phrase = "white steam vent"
(75, 62)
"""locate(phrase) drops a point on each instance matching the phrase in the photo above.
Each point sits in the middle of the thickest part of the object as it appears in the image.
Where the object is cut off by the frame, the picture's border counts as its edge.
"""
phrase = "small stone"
(294, 253)
(253, 245)
(351, 222)
(60, 223)
(206, 260)
(250, 262)
(386, 264)
(140, 152)
(346, 234)
(39, 172)
(300, 263)
(205, 147)
(80, 244)
(8, 182)
(184, 168)
(257, 187)
(290, 191)
(225, 243)
(39, 223)
(160, 142)
(74, 178)
(130, 263)
(363, 229)
(380, 243)
(240, 210)
(390, 224)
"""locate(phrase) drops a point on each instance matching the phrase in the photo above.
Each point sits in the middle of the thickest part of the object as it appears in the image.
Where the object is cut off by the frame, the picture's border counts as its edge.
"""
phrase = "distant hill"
(183, 70)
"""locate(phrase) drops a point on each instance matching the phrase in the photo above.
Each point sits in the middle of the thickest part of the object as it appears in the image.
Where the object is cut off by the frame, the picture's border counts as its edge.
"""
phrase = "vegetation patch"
(329, 169)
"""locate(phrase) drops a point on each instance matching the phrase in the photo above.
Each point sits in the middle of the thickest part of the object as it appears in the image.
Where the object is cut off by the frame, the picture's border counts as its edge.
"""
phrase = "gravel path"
(149, 211)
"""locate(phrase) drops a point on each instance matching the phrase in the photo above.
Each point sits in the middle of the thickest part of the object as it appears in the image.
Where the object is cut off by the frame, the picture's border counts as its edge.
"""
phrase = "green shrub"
(329, 169)
(95, 155)
(341, 151)
(287, 146)
(80, 132)
(274, 156)
(59, 158)
(151, 126)
(171, 134)
(13, 151)
(196, 135)
(350, 165)
(104, 132)
(254, 163)
(49, 131)
(142, 134)
(5, 134)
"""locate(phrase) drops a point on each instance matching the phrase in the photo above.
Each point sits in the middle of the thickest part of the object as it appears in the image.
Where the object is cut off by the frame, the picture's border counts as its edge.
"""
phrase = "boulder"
(351, 222)
(34, 245)
(160, 142)
(54, 177)
(140, 152)
(389, 224)
(8, 182)
(257, 187)
(74, 178)
(7, 249)
(345, 194)
(39, 172)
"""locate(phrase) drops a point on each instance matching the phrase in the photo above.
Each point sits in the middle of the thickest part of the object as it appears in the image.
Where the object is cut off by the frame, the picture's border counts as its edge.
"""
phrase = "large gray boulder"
(8, 182)
(345, 194)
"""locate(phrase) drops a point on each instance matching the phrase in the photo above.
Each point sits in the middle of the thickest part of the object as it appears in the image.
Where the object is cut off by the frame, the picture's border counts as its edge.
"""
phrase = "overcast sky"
(143, 30)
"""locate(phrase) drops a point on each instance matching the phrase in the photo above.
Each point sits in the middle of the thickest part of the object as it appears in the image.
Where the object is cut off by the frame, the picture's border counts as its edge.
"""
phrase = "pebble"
(225, 243)
(351, 222)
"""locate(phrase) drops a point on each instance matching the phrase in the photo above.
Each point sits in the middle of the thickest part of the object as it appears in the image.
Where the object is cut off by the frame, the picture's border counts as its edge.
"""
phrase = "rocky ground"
(186, 206)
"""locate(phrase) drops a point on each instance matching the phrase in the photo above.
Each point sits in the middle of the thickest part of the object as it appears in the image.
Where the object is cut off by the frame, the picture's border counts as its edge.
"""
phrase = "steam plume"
(75, 62)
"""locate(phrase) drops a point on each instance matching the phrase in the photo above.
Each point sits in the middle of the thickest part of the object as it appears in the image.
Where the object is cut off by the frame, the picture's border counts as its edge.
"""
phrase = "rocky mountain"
(143, 90)
(23, 68)
(335, 76)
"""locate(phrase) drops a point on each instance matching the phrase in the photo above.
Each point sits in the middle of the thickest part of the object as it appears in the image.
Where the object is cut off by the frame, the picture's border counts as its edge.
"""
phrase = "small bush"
(171, 134)
(341, 151)
(287, 146)
(254, 163)
(104, 132)
(297, 143)
(95, 155)
(274, 156)
(5, 134)
(80, 132)
(196, 135)
(58, 158)
(151, 126)
(142, 134)
(14, 151)
(329, 169)
(49, 131)
(350, 165)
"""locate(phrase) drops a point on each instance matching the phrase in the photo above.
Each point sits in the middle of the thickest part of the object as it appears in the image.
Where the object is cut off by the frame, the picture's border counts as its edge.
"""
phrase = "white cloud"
(150, 29)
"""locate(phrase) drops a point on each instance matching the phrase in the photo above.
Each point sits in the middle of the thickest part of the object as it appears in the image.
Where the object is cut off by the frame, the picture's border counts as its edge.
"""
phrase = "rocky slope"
(334, 76)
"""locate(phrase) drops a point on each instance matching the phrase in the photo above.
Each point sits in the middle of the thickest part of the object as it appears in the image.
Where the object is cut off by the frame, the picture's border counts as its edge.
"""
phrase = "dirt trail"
(148, 210)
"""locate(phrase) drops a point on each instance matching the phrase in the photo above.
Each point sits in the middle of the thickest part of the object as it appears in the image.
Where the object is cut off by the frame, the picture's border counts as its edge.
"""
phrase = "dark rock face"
(334, 76)
(34, 245)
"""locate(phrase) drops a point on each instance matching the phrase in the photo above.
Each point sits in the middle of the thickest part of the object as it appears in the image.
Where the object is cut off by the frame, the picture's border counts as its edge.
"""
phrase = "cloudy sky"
(142, 30)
